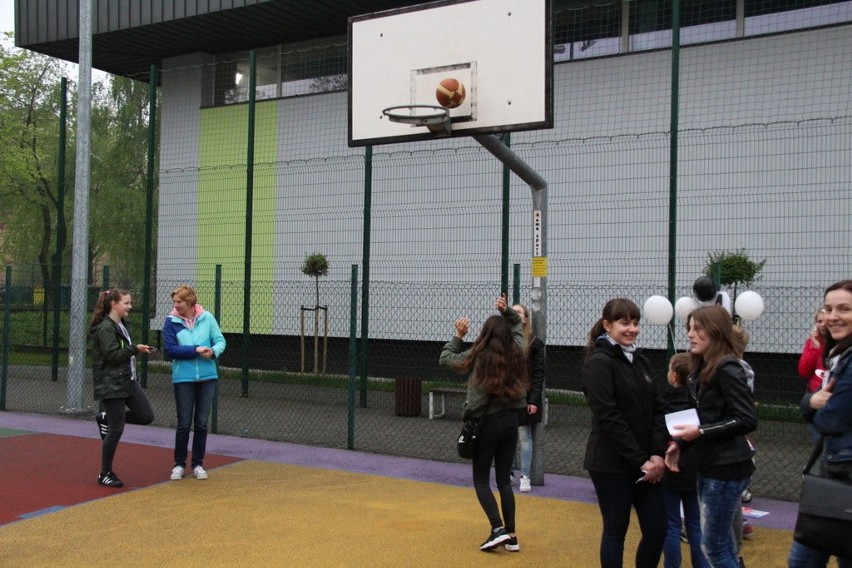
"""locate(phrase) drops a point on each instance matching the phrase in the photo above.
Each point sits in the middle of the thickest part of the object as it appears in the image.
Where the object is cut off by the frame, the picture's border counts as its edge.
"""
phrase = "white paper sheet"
(680, 418)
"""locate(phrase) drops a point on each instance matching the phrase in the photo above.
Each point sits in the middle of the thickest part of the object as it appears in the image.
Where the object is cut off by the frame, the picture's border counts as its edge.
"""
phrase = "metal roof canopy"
(130, 36)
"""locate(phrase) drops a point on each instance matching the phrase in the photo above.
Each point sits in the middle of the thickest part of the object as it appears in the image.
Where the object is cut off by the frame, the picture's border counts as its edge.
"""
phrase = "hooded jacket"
(180, 339)
(111, 360)
(628, 423)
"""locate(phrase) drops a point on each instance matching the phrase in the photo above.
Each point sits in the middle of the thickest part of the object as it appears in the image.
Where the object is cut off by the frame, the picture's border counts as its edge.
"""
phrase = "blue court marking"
(42, 512)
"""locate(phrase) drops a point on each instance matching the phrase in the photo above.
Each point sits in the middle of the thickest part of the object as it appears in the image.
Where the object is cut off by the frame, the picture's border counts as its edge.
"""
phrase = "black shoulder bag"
(466, 443)
(824, 521)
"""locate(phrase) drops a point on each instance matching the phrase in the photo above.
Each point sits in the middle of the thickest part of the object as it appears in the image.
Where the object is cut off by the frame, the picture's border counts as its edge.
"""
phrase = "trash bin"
(407, 397)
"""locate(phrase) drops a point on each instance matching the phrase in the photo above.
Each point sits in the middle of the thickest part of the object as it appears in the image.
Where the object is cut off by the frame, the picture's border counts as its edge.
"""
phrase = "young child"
(680, 488)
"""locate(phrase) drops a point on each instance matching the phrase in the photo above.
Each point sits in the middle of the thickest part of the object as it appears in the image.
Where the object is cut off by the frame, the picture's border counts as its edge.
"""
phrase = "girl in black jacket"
(114, 377)
(721, 395)
(624, 454)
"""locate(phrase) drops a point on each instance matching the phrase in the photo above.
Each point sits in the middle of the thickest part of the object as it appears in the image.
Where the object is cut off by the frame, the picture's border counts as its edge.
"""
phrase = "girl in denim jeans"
(720, 393)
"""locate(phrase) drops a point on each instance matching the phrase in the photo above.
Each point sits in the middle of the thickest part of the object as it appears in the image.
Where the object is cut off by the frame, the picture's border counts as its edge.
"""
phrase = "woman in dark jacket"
(496, 392)
(531, 415)
(829, 410)
(624, 454)
(723, 400)
(114, 377)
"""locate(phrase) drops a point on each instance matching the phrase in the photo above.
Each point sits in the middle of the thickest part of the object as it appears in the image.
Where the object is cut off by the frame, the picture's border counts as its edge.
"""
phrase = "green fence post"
(516, 284)
(7, 325)
(217, 313)
(60, 228)
(149, 215)
(673, 145)
(365, 262)
(504, 233)
(249, 220)
(353, 356)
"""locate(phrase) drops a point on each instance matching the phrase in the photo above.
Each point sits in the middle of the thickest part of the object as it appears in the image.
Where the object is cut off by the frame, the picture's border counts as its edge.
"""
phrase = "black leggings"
(497, 442)
(138, 411)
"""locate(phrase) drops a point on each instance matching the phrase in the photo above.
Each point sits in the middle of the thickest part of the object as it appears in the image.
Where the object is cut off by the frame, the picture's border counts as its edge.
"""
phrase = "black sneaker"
(100, 419)
(512, 544)
(109, 479)
(495, 538)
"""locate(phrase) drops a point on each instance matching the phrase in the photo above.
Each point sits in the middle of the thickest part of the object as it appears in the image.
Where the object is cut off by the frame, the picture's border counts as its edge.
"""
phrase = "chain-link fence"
(762, 163)
(263, 392)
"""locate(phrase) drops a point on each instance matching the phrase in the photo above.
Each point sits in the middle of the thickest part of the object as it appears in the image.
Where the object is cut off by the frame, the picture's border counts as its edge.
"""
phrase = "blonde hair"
(186, 293)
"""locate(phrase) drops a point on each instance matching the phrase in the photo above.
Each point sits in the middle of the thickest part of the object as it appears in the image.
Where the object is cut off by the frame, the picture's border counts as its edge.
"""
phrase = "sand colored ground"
(261, 514)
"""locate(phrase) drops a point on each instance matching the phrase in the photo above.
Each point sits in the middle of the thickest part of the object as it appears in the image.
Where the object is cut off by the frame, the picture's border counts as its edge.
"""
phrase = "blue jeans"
(193, 401)
(616, 494)
(525, 446)
(802, 556)
(719, 500)
(692, 523)
(497, 442)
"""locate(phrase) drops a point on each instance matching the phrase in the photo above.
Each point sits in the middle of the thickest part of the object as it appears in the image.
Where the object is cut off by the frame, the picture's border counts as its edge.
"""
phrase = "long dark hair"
(832, 345)
(614, 310)
(104, 304)
(499, 363)
(715, 323)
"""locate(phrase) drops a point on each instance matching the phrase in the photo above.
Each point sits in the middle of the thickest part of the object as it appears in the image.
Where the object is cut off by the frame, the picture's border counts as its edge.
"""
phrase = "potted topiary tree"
(315, 265)
(735, 268)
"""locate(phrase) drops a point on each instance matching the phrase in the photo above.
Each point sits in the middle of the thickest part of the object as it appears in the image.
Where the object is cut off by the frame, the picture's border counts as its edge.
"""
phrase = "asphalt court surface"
(274, 504)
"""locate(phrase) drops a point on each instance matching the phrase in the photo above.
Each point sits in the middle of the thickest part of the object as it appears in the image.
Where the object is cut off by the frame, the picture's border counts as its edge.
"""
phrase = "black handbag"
(466, 444)
(824, 521)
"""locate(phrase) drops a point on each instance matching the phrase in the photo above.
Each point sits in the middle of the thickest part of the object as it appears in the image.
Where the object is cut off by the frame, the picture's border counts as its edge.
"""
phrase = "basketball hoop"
(433, 117)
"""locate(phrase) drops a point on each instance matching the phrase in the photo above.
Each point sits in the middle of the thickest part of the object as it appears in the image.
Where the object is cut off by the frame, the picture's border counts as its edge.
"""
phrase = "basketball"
(450, 93)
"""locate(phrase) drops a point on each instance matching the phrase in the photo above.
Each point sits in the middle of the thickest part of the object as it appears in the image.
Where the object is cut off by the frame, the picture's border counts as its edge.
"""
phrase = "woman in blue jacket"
(192, 339)
(829, 410)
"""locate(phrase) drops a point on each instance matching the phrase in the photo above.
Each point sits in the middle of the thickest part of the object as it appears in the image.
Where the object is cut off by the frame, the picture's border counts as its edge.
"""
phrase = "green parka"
(111, 353)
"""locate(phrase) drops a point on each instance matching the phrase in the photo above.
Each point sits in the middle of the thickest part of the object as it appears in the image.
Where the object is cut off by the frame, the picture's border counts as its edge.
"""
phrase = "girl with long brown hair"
(720, 393)
(496, 392)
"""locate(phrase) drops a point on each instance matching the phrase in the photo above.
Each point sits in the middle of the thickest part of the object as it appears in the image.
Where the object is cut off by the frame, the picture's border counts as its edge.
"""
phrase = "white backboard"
(500, 50)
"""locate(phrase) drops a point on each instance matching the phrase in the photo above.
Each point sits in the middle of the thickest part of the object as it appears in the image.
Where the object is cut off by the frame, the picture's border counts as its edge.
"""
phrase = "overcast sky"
(7, 15)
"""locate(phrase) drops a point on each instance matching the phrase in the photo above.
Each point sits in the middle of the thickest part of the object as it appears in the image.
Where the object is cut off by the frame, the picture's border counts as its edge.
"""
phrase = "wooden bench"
(441, 393)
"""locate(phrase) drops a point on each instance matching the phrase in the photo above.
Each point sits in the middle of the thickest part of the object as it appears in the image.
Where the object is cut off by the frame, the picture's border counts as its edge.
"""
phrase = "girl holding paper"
(719, 391)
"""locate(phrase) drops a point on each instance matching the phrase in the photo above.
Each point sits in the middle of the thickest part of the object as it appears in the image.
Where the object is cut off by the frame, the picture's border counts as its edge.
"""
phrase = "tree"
(120, 121)
(29, 139)
(315, 265)
(735, 267)
(29, 136)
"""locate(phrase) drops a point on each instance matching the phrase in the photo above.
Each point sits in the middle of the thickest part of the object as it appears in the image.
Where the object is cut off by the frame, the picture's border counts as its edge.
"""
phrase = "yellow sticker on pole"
(539, 267)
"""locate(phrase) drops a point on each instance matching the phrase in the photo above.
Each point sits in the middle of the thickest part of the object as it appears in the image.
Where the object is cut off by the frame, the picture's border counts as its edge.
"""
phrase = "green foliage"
(736, 268)
(30, 104)
(315, 265)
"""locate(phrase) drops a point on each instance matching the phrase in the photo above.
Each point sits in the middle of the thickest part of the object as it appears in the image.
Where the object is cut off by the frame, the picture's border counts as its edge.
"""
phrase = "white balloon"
(659, 310)
(684, 306)
(749, 305)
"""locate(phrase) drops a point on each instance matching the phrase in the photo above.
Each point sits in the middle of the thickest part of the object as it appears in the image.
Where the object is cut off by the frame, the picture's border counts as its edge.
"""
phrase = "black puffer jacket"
(628, 424)
(726, 414)
(111, 353)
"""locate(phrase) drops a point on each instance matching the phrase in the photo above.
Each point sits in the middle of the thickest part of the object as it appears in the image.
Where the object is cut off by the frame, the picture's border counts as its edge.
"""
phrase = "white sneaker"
(177, 472)
(525, 484)
(199, 472)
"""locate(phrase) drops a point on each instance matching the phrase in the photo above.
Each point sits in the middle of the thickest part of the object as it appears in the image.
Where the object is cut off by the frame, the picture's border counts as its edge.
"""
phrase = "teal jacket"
(479, 403)
(180, 341)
